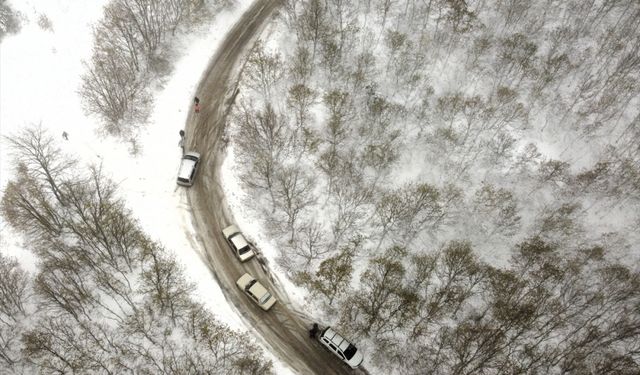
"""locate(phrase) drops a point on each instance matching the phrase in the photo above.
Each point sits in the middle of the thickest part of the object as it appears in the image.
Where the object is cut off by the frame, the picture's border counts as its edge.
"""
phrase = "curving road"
(282, 329)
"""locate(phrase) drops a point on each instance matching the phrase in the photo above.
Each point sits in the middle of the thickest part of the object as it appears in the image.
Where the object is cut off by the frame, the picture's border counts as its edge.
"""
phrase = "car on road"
(258, 293)
(188, 167)
(238, 243)
(341, 347)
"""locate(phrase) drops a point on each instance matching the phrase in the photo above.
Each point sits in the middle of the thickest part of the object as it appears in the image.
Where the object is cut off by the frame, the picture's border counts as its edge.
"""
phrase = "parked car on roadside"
(188, 167)
(339, 346)
(238, 243)
(256, 292)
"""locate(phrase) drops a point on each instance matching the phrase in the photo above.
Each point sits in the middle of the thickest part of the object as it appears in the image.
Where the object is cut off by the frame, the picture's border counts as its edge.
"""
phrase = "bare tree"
(37, 152)
(50, 347)
(517, 59)
(314, 23)
(9, 20)
(513, 11)
(45, 23)
(164, 282)
(116, 32)
(363, 69)
(459, 15)
(127, 56)
(29, 207)
(301, 65)
(148, 20)
(102, 223)
(64, 285)
(310, 242)
(561, 220)
(334, 274)
(383, 304)
(300, 99)
(112, 91)
(15, 295)
(14, 290)
(444, 282)
(293, 191)
(407, 210)
(336, 132)
(262, 143)
(498, 208)
(264, 70)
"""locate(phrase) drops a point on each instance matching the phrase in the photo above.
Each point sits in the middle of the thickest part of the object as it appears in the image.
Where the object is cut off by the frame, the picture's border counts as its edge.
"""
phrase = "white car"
(188, 167)
(339, 346)
(238, 243)
(258, 293)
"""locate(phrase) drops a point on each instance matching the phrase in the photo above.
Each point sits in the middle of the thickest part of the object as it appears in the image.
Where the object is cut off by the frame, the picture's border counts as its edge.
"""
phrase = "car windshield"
(350, 352)
(244, 250)
(265, 298)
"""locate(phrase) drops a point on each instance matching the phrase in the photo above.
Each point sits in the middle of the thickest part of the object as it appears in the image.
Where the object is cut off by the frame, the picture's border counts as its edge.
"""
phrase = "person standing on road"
(314, 331)
(196, 102)
(181, 143)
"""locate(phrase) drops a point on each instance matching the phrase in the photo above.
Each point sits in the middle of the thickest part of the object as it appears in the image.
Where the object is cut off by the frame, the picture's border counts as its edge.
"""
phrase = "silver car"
(339, 346)
(188, 167)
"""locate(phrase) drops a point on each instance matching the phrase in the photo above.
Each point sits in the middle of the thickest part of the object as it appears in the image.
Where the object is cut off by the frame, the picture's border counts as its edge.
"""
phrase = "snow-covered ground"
(40, 74)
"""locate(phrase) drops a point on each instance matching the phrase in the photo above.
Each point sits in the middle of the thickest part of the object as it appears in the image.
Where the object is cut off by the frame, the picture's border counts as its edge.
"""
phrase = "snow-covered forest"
(132, 52)
(106, 298)
(9, 20)
(455, 183)
(102, 296)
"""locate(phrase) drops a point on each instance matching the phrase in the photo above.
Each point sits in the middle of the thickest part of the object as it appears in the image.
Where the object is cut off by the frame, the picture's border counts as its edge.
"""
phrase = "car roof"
(239, 241)
(258, 290)
(336, 339)
(244, 280)
(344, 344)
(231, 229)
(186, 167)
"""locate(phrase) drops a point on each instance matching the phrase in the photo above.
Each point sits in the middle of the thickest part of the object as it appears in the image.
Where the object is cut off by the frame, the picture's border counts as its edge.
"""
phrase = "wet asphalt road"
(282, 329)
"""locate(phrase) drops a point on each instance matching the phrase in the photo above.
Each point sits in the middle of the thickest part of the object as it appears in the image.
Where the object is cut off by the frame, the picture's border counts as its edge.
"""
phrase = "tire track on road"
(281, 329)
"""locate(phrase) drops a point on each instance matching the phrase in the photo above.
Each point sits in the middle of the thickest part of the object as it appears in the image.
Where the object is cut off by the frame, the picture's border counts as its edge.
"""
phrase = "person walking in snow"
(65, 135)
